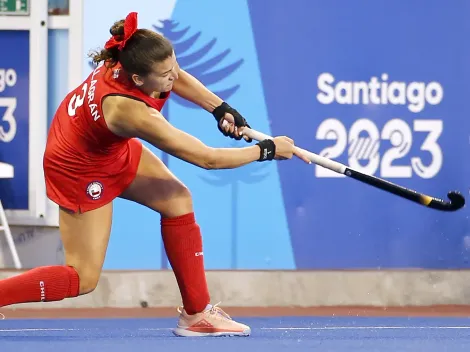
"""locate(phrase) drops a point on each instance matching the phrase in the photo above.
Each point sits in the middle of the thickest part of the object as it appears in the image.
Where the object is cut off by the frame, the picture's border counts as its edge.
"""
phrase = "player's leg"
(85, 238)
(157, 188)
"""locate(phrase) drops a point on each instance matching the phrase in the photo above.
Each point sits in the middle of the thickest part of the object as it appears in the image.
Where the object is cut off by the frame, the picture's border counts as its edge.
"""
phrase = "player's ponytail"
(137, 50)
(117, 29)
(110, 55)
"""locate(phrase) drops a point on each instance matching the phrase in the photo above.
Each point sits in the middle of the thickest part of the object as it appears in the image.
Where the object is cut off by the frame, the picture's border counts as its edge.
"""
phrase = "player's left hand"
(230, 129)
(234, 122)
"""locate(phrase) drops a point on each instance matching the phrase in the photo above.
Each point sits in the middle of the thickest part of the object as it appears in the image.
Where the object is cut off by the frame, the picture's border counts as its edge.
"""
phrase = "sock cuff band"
(186, 219)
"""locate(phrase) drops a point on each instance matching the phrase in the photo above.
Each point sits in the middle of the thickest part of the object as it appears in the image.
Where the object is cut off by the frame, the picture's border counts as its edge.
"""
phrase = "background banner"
(14, 119)
(382, 87)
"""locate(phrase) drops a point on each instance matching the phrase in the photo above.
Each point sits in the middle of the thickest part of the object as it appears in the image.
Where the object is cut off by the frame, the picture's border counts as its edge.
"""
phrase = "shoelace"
(215, 310)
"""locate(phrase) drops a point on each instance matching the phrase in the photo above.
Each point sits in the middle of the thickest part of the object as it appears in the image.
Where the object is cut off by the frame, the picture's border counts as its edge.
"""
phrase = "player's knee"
(180, 202)
(184, 197)
(88, 283)
(88, 286)
(88, 279)
(185, 194)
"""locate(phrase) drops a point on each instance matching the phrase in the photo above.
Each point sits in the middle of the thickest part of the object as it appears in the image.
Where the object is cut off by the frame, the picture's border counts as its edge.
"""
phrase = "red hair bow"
(130, 27)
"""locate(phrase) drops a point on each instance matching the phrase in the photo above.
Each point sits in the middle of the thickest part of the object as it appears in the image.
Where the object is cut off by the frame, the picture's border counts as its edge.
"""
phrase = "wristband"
(267, 150)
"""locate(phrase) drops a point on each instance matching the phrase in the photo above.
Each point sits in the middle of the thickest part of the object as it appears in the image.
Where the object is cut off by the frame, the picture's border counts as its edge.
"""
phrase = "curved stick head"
(457, 200)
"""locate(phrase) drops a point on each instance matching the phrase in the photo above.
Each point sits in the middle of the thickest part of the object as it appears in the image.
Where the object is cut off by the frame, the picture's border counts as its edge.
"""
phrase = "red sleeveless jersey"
(86, 165)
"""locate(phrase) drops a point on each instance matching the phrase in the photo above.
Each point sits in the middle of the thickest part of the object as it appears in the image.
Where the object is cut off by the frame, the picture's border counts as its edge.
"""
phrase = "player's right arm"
(131, 118)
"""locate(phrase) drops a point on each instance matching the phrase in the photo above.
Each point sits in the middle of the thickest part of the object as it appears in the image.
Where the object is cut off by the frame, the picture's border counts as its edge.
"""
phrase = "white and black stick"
(456, 199)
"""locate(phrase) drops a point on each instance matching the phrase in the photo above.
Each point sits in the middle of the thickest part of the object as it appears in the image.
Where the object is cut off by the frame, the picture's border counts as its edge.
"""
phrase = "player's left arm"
(190, 88)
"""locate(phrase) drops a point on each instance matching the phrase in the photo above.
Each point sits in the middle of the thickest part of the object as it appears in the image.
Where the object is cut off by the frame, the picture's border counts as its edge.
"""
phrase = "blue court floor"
(268, 335)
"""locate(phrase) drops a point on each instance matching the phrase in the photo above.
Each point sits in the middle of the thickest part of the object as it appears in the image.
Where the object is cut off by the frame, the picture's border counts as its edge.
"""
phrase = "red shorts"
(82, 183)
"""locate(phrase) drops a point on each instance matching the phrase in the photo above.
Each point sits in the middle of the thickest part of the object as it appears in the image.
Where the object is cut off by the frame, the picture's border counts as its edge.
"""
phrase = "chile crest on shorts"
(94, 190)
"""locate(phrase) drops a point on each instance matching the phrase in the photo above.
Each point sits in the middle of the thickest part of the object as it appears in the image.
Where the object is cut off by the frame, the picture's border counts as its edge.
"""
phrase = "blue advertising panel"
(14, 119)
(382, 87)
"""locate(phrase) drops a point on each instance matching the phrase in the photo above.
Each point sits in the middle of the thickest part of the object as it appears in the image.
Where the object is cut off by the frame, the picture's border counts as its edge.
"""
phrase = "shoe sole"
(189, 333)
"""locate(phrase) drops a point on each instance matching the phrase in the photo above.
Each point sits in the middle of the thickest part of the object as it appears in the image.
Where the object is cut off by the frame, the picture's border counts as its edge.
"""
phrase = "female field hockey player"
(93, 155)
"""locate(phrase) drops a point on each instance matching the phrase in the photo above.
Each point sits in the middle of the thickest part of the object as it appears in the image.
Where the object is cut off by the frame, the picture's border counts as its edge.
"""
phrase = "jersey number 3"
(76, 101)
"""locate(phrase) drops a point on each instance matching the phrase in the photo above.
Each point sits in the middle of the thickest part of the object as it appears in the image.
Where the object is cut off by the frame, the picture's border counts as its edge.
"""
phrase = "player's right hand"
(285, 149)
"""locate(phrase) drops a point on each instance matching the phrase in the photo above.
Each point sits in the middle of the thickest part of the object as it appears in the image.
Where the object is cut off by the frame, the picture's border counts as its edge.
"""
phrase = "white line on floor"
(368, 327)
(273, 329)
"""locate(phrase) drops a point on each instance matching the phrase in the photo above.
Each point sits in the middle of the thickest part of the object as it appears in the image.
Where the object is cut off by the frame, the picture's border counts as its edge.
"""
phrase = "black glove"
(220, 111)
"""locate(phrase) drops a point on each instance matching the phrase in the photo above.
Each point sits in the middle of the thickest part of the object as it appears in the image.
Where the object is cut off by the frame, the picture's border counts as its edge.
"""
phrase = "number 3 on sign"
(366, 149)
(7, 135)
(8, 117)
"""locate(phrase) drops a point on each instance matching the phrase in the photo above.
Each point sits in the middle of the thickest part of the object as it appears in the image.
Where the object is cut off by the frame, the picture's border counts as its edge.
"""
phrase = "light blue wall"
(57, 68)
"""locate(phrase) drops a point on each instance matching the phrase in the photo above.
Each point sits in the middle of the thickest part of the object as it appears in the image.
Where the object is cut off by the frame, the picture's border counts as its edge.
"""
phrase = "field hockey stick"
(456, 200)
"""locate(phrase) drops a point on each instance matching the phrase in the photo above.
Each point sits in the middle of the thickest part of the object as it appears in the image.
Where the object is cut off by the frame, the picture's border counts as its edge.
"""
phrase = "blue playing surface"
(268, 335)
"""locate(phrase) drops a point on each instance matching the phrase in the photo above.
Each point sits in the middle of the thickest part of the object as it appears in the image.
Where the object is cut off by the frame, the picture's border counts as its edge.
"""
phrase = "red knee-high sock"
(183, 244)
(42, 284)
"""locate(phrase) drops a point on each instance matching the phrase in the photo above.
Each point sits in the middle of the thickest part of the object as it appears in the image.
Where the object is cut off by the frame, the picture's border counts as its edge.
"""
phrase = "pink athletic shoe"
(213, 321)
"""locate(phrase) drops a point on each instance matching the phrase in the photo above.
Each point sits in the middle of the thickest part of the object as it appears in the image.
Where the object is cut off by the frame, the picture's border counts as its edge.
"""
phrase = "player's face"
(163, 76)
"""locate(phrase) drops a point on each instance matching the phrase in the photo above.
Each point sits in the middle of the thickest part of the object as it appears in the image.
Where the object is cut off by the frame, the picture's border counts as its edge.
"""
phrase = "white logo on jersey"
(94, 190)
